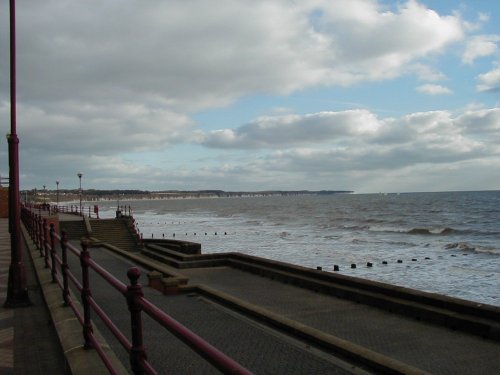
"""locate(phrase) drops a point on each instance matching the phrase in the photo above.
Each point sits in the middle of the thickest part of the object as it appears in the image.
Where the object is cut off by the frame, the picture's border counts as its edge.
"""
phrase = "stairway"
(74, 229)
(115, 232)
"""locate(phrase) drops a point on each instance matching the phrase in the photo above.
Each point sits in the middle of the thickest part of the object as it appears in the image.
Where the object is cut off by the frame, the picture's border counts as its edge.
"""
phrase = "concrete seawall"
(458, 314)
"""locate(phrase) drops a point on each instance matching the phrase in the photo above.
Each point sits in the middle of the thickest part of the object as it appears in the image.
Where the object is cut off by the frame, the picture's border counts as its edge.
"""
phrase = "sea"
(446, 243)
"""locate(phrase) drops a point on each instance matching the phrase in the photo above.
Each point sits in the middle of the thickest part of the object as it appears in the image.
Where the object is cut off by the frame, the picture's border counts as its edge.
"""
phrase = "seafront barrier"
(42, 231)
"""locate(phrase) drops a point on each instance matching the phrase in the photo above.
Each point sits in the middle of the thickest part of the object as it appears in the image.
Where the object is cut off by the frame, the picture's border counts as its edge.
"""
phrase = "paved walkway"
(266, 351)
(28, 343)
(258, 348)
(422, 345)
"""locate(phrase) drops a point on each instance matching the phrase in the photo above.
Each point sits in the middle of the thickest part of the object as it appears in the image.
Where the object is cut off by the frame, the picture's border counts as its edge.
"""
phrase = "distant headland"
(128, 194)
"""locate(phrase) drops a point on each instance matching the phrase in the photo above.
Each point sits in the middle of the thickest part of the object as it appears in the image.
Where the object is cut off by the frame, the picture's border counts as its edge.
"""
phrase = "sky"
(363, 95)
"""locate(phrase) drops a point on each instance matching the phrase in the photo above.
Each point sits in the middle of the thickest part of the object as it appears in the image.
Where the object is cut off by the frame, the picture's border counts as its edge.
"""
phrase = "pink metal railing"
(46, 240)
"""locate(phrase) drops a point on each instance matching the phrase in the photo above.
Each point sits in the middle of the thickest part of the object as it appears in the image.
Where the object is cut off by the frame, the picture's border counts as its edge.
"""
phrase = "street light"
(57, 194)
(44, 195)
(80, 191)
(17, 290)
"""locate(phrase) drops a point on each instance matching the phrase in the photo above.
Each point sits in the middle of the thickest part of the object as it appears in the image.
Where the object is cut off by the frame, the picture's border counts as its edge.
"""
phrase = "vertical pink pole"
(87, 324)
(40, 234)
(45, 242)
(33, 223)
(64, 266)
(134, 292)
(17, 290)
(53, 252)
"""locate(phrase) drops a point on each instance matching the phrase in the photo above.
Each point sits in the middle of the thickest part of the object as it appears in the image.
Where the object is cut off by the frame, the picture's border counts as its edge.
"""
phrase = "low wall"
(184, 247)
(479, 319)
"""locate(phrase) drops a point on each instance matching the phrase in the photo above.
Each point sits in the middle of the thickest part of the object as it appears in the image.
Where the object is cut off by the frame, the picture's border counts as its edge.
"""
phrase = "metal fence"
(48, 241)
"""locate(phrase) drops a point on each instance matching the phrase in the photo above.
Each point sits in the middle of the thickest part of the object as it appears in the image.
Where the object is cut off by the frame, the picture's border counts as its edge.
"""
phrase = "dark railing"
(124, 211)
(73, 209)
(46, 240)
(90, 211)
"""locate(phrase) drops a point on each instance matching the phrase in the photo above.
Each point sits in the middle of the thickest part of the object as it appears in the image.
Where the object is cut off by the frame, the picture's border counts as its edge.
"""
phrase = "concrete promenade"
(218, 302)
(268, 326)
(28, 340)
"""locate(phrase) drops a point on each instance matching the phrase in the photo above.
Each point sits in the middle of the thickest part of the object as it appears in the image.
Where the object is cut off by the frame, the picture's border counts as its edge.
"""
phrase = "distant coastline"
(96, 195)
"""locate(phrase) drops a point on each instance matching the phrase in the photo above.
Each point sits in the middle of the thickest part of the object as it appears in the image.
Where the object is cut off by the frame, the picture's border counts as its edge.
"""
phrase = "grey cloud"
(70, 127)
(372, 158)
(352, 127)
(482, 124)
(358, 141)
(195, 55)
(285, 131)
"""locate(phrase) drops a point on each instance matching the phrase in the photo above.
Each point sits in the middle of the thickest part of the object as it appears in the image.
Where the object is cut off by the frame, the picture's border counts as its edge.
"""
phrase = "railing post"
(86, 293)
(53, 251)
(39, 237)
(40, 234)
(33, 220)
(45, 242)
(30, 224)
(33, 226)
(134, 292)
(64, 267)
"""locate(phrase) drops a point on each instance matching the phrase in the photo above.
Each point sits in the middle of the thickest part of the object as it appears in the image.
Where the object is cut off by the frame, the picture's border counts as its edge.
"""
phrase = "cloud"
(426, 72)
(489, 81)
(359, 141)
(432, 89)
(481, 124)
(284, 131)
(480, 46)
(70, 127)
(356, 150)
(357, 128)
(131, 71)
(192, 55)
(436, 146)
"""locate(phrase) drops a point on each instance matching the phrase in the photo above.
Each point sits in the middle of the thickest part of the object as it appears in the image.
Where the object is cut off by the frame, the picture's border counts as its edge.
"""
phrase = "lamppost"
(17, 290)
(44, 195)
(57, 194)
(80, 191)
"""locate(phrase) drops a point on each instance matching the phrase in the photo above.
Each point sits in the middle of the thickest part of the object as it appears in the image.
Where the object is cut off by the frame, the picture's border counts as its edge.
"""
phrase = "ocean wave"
(426, 231)
(355, 227)
(414, 231)
(464, 246)
(488, 250)
(253, 222)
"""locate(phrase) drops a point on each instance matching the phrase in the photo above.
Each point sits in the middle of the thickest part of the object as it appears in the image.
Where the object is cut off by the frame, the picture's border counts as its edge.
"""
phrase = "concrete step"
(74, 229)
(115, 232)
(174, 261)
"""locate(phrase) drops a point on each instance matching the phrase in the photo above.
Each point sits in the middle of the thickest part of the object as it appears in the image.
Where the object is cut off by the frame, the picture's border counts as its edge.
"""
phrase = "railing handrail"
(38, 230)
(74, 209)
